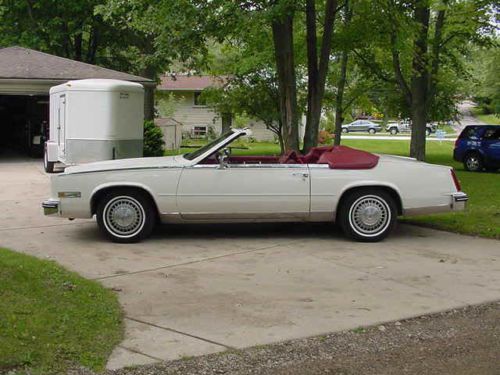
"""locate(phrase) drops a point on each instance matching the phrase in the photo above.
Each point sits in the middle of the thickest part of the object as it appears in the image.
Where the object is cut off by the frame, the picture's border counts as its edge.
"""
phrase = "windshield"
(193, 155)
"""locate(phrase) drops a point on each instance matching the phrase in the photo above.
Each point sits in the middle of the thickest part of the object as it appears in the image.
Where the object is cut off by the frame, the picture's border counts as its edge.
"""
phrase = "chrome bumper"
(459, 201)
(50, 207)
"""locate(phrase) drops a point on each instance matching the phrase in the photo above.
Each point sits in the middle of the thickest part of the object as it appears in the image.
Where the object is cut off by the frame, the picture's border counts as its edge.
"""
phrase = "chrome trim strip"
(245, 166)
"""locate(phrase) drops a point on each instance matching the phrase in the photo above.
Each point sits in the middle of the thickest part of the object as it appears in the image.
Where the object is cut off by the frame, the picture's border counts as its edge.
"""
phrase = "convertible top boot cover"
(343, 157)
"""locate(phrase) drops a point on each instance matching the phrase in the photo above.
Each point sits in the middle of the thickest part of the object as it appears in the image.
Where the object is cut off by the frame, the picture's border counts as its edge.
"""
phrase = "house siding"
(179, 105)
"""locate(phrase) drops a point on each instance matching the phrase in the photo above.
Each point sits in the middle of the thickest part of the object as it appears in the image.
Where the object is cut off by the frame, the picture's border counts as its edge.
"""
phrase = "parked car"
(361, 126)
(405, 127)
(478, 147)
(361, 191)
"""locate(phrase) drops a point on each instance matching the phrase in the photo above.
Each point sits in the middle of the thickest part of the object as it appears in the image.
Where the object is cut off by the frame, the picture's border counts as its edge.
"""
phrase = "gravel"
(460, 341)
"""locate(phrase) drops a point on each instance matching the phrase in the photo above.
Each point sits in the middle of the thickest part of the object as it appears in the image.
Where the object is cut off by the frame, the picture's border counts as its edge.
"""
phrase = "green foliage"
(153, 140)
(51, 319)
(167, 103)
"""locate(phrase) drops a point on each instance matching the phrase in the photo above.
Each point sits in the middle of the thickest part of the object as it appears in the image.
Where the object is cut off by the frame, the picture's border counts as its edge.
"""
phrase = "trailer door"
(61, 125)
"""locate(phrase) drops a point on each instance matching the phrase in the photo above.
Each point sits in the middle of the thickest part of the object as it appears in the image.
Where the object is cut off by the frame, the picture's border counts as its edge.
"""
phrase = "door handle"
(300, 174)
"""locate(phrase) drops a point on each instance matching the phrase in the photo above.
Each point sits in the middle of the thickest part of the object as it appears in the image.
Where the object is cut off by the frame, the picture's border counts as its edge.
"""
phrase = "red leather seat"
(314, 154)
(290, 157)
(343, 157)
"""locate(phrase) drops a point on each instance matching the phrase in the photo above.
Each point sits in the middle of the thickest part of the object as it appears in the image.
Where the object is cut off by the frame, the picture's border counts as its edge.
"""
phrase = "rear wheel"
(473, 162)
(126, 215)
(428, 132)
(47, 165)
(367, 215)
(394, 131)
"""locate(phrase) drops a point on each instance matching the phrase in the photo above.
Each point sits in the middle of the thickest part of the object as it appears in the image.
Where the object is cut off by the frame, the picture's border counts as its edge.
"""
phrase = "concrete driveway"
(192, 290)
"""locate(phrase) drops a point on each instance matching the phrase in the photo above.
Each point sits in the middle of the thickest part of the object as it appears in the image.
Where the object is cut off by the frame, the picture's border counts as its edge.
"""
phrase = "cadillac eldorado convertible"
(363, 192)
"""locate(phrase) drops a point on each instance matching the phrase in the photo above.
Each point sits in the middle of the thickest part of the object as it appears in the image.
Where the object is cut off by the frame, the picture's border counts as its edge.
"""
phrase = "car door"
(356, 126)
(491, 144)
(244, 192)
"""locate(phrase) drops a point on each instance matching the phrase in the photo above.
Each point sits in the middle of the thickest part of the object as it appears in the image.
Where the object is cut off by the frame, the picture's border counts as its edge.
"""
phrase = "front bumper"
(50, 207)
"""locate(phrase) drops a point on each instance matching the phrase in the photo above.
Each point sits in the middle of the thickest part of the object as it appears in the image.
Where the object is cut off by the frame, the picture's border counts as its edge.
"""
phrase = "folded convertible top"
(343, 157)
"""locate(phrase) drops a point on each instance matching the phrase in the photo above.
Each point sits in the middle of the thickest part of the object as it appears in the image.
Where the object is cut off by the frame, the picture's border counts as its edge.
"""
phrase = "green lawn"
(487, 119)
(482, 216)
(52, 319)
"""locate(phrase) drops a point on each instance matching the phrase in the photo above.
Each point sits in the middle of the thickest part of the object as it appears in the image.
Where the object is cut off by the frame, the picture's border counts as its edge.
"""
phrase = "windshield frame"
(213, 146)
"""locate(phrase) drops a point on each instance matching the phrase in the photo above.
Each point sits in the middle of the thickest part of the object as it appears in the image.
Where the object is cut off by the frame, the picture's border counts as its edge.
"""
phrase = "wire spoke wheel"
(369, 215)
(124, 216)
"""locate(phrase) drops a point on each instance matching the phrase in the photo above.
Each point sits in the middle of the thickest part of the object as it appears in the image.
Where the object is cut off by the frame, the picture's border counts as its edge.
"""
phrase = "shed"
(26, 77)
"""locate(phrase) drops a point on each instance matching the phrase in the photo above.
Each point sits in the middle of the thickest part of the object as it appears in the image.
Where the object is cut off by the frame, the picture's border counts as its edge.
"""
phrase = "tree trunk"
(285, 66)
(227, 121)
(339, 99)
(420, 82)
(317, 71)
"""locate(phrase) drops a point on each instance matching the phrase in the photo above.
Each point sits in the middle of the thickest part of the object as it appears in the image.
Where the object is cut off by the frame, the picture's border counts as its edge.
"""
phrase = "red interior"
(337, 157)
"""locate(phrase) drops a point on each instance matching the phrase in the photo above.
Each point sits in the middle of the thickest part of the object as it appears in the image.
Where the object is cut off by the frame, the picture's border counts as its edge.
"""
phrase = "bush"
(324, 137)
(153, 140)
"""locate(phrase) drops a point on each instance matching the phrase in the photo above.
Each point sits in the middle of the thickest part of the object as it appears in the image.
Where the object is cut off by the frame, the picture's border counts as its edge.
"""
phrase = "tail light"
(455, 180)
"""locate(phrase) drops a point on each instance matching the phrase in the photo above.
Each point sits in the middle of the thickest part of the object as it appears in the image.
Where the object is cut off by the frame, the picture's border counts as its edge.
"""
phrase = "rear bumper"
(50, 207)
(458, 202)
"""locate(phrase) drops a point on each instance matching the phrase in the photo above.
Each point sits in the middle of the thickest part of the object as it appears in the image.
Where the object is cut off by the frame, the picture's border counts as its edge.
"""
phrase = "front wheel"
(367, 215)
(126, 215)
(345, 130)
(394, 131)
(372, 131)
(428, 132)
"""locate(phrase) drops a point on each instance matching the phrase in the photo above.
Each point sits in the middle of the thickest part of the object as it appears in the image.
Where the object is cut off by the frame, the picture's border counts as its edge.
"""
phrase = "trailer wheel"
(126, 215)
(47, 165)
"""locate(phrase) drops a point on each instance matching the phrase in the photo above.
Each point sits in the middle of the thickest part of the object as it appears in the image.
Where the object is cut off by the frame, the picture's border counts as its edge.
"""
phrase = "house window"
(199, 132)
(198, 100)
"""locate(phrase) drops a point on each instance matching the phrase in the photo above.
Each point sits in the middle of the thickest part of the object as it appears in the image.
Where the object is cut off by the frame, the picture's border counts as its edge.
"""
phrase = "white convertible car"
(361, 191)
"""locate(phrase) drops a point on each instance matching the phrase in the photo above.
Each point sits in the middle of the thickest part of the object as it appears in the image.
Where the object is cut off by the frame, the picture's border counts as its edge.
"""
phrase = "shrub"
(153, 140)
(324, 137)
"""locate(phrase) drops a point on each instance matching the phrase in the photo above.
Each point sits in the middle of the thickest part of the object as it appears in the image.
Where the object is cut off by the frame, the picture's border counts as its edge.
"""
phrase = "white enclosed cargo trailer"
(93, 120)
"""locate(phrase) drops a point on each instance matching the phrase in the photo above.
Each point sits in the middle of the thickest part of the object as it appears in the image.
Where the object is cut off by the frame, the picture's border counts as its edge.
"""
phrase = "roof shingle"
(183, 82)
(24, 63)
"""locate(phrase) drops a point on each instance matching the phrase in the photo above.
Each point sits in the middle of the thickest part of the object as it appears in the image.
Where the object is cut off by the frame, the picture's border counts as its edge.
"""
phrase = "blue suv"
(478, 147)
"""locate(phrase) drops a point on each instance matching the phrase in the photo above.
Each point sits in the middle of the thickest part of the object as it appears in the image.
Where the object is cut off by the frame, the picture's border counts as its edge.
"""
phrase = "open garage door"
(24, 123)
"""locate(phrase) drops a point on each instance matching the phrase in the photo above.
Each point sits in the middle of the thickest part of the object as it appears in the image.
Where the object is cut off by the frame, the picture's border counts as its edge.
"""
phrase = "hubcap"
(472, 162)
(369, 215)
(124, 216)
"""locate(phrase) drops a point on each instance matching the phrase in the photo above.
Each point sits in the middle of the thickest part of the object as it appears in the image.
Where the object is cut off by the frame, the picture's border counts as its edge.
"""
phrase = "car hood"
(137, 163)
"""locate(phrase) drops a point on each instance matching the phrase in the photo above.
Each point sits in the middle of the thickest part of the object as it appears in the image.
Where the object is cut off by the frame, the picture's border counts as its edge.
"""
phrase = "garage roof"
(18, 63)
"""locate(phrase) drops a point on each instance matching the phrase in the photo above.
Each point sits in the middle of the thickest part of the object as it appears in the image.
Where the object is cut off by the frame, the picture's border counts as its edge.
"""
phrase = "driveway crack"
(181, 333)
(195, 261)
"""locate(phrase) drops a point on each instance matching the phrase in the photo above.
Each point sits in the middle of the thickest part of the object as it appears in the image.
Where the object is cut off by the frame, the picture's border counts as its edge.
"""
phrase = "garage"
(26, 77)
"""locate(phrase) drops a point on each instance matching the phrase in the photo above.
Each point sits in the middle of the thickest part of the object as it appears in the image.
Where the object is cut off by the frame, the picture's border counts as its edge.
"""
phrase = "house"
(178, 99)
(26, 77)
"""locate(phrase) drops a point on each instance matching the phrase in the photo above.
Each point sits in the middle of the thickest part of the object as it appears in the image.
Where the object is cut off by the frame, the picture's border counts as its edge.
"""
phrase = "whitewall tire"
(126, 215)
(367, 215)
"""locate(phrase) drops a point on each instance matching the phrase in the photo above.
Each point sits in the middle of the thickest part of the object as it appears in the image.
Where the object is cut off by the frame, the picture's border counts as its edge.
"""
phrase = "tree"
(65, 28)
(317, 66)
(254, 94)
(418, 39)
